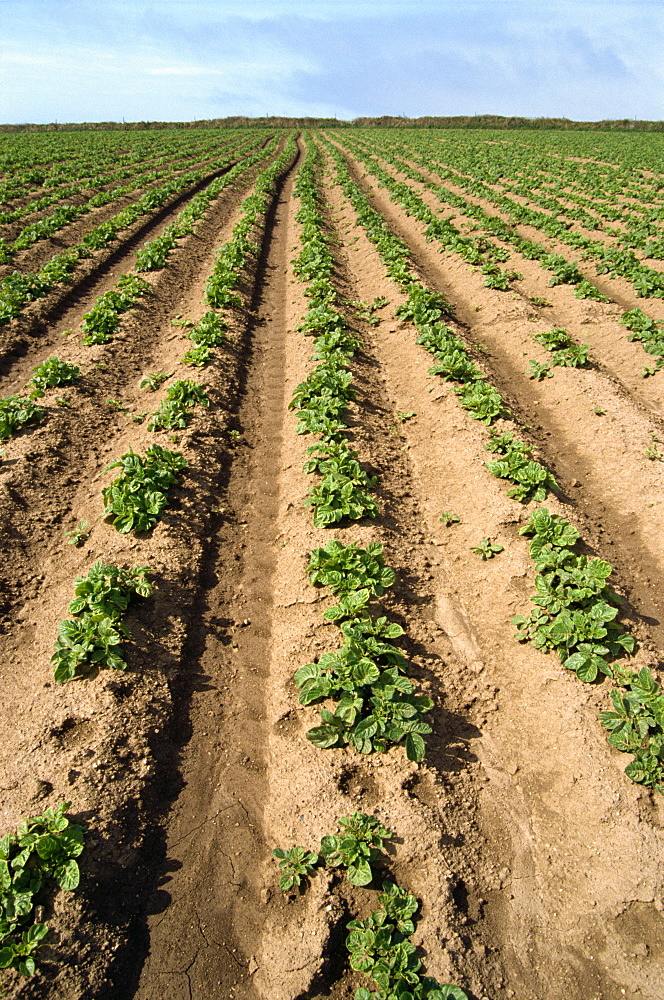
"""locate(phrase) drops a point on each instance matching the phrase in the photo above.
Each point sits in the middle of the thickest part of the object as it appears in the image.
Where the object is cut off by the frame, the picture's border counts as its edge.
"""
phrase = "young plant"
(39, 856)
(78, 535)
(448, 519)
(347, 568)
(134, 501)
(532, 480)
(197, 357)
(155, 380)
(379, 947)
(17, 412)
(181, 397)
(51, 373)
(95, 633)
(356, 847)
(295, 865)
(487, 549)
(539, 371)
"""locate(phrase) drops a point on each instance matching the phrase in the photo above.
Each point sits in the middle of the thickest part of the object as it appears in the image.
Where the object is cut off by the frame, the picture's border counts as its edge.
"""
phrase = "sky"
(184, 60)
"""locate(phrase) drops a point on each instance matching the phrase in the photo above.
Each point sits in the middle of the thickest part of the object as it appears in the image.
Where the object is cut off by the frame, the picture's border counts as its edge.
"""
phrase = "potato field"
(332, 509)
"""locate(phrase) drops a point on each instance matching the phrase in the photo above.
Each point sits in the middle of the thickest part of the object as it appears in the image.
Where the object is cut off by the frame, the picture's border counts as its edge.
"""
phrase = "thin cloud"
(182, 71)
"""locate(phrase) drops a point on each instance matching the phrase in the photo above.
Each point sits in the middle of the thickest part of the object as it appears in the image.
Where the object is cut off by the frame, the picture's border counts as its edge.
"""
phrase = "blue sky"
(178, 60)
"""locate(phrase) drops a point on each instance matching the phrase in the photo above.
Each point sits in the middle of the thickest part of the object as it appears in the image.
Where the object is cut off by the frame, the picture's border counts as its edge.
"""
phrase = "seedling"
(117, 405)
(538, 301)
(154, 381)
(295, 865)
(78, 535)
(599, 411)
(449, 519)
(539, 371)
(487, 549)
(174, 412)
(137, 497)
(404, 415)
(356, 847)
(197, 357)
(51, 373)
(17, 412)
(648, 370)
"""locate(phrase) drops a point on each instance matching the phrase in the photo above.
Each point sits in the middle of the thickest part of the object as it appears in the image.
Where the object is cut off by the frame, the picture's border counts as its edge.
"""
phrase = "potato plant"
(379, 946)
(38, 858)
(94, 634)
(377, 705)
(136, 498)
(575, 615)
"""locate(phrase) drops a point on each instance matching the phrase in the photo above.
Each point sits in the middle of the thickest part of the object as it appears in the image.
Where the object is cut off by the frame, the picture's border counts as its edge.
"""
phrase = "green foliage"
(155, 380)
(539, 371)
(17, 412)
(348, 569)
(356, 847)
(174, 412)
(95, 635)
(482, 400)
(379, 945)
(322, 400)
(575, 615)
(486, 549)
(137, 497)
(586, 290)
(78, 535)
(40, 855)
(379, 948)
(538, 301)
(51, 373)
(210, 331)
(554, 339)
(295, 864)
(103, 320)
(197, 357)
(448, 519)
(532, 480)
(649, 331)
(377, 706)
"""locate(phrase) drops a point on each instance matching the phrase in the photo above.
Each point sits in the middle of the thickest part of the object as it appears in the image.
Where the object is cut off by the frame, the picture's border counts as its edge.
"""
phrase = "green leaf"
(415, 747)
(67, 876)
(360, 873)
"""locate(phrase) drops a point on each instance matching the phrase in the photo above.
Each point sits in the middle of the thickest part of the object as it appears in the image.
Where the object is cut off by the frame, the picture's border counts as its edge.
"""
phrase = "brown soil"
(537, 861)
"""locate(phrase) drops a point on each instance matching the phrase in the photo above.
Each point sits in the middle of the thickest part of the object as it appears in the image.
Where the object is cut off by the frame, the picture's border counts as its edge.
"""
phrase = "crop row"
(64, 215)
(103, 320)
(376, 705)
(17, 289)
(72, 174)
(93, 636)
(479, 250)
(573, 598)
(646, 281)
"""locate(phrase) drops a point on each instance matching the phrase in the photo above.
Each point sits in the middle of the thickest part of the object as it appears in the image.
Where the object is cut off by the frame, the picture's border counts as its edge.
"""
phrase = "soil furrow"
(204, 944)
